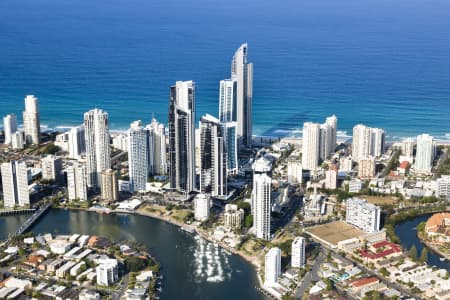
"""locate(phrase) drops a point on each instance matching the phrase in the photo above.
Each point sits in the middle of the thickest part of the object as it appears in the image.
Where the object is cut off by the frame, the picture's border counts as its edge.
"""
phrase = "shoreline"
(434, 249)
(198, 231)
(442, 140)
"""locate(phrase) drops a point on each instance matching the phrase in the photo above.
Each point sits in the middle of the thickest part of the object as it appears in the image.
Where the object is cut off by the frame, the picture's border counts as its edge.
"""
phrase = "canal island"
(75, 267)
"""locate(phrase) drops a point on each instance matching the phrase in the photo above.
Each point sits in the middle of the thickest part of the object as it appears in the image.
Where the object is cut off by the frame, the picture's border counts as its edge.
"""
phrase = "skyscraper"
(51, 168)
(213, 157)
(138, 156)
(77, 182)
(182, 136)
(9, 127)
(261, 198)
(110, 187)
(31, 123)
(227, 116)
(242, 74)
(424, 153)
(231, 146)
(367, 141)
(298, 257)
(311, 146)
(361, 142)
(227, 100)
(77, 143)
(377, 139)
(98, 156)
(332, 133)
(157, 148)
(15, 184)
(272, 266)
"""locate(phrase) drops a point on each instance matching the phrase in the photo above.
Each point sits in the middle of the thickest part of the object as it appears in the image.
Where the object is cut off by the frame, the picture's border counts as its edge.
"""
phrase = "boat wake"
(211, 263)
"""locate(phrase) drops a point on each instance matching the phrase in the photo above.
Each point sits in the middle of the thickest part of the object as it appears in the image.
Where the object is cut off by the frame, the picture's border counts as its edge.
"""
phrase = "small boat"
(442, 259)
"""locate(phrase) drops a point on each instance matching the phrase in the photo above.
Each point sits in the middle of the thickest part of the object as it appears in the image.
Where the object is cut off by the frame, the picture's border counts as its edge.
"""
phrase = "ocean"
(383, 63)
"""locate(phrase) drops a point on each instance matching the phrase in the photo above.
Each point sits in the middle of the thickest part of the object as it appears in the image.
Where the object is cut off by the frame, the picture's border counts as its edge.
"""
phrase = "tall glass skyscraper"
(242, 74)
(182, 136)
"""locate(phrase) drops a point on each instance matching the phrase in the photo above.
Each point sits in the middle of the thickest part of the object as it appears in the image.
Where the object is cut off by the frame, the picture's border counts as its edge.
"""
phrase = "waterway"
(407, 232)
(192, 268)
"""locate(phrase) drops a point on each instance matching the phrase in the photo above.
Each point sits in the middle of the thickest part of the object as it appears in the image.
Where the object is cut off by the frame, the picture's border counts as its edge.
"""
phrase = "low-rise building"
(437, 228)
(233, 216)
(355, 186)
(64, 269)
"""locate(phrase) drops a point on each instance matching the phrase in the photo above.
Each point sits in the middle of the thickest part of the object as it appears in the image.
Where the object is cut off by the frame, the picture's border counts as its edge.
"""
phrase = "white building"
(15, 184)
(366, 167)
(77, 182)
(233, 216)
(120, 141)
(182, 136)
(261, 198)
(363, 214)
(76, 141)
(354, 186)
(367, 141)
(9, 127)
(157, 148)
(202, 207)
(31, 123)
(107, 272)
(346, 164)
(298, 257)
(311, 146)
(98, 153)
(17, 141)
(227, 100)
(242, 74)
(272, 266)
(51, 167)
(294, 172)
(424, 153)
(138, 157)
(443, 186)
(407, 147)
(89, 295)
(331, 179)
(213, 157)
(377, 141)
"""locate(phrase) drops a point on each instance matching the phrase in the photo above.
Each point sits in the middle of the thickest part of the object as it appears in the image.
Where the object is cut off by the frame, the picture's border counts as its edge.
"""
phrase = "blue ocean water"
(381, 62)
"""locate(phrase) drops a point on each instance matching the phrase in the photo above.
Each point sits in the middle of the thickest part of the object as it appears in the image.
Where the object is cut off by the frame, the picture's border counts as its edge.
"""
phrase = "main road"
(313, 275)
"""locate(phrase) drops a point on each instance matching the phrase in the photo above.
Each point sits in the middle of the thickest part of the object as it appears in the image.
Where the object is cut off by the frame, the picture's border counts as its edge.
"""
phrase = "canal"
(407, 232)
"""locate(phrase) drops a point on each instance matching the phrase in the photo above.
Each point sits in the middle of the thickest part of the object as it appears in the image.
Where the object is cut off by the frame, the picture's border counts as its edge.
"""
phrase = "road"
(310, 276)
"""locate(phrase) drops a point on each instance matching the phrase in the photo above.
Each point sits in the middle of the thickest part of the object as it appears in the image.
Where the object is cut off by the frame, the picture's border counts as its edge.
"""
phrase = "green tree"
(135, 264)
(413, 253)
(424, 255)
(421, 226)
(384, 272)
(248, 221)
(245, 206)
